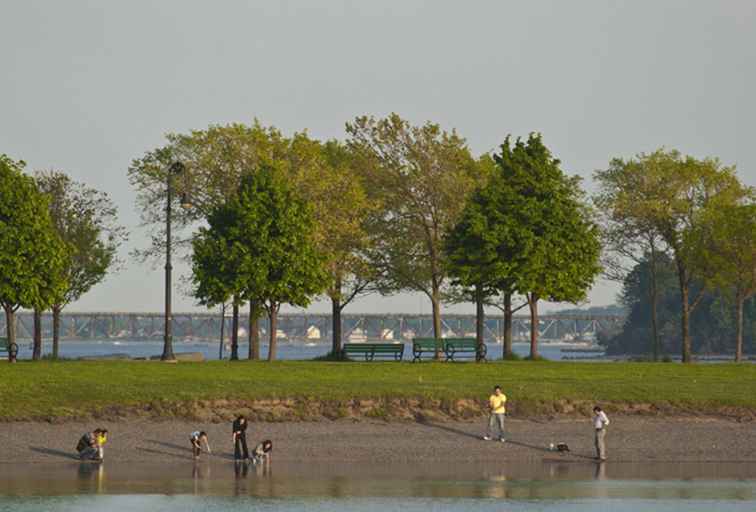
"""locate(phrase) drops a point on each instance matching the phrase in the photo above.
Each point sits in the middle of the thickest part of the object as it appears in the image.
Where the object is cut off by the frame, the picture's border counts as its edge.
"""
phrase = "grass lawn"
(45, 389)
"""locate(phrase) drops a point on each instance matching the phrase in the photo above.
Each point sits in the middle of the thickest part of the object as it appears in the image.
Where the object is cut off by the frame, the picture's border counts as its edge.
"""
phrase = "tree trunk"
(10, 328)
(685, 321)
(654, 306)
(254, 331)
(479, 316)
(273, 317)
(235, 331)
(56, 331)
(507, 333)
(533, 303)
(37, 341)
(336, 327)
(739, 328)
(222, 331)
(437, 333)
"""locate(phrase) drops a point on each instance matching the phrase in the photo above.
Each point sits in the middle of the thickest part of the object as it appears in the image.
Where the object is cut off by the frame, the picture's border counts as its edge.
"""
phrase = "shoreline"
(631, 439)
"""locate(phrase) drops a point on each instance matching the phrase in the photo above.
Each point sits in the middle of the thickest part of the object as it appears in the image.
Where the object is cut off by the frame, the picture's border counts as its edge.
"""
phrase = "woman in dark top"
(239, 436)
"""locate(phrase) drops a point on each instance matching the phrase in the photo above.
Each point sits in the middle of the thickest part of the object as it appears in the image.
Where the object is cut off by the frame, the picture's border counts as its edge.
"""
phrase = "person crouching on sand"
(90, 446)
(197, 438)
(600, 421)
(239, 437)
(498, 410)
(262, 452)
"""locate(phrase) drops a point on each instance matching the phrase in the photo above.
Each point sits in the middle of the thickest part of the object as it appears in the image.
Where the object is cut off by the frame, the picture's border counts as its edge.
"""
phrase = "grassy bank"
(76, 389)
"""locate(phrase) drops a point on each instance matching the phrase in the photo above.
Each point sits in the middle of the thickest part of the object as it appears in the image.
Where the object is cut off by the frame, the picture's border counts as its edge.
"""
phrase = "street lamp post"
(175, 169)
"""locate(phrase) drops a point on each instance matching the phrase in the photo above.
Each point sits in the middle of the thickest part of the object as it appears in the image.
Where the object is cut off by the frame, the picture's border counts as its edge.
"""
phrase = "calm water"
(226, 488)
(289, 350)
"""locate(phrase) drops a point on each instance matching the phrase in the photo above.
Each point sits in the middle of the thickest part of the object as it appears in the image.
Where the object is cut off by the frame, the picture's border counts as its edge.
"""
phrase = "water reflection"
(537, 480)
(91, 476)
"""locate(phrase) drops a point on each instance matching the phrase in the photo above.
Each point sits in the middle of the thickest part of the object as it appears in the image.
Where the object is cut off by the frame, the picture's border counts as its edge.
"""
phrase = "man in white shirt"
(600, 421)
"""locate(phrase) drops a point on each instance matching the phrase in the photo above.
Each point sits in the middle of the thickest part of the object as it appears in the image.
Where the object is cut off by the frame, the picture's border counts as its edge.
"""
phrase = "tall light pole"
(175, 169)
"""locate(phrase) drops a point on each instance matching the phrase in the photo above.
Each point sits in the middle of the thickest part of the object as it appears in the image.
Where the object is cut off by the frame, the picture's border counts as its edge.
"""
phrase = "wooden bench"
(422, 346)
(372, 350)
(465, 347)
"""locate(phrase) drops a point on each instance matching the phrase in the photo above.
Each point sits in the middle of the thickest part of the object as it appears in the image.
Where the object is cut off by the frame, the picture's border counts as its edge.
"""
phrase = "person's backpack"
(83, 443)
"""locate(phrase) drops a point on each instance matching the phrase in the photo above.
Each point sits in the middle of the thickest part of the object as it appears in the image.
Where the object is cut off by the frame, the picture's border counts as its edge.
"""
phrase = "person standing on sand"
(239, 437)
(496, 403)
(600, 421)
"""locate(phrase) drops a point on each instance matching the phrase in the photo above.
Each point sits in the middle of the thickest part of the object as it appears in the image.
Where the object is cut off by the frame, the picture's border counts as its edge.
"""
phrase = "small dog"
(562, 447)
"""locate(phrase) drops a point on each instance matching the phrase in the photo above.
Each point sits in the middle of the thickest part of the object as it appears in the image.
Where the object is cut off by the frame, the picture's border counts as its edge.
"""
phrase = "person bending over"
(239, 437)
(90, 446)
(262, 452)
(197, 438)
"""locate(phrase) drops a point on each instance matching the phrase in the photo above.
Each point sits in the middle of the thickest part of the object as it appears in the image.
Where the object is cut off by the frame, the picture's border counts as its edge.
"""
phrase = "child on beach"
(196, 439)
(262, 452)
(90, 446)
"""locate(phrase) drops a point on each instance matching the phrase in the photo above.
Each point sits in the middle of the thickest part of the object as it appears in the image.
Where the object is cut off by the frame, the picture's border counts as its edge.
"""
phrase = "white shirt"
(600, 420)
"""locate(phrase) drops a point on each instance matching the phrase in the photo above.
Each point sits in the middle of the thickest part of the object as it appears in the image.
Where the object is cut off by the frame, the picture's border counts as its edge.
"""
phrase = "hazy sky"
(87, 86)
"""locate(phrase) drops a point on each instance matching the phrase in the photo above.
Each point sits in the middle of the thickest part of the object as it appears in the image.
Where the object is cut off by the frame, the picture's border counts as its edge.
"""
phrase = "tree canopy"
(32, 255)
(420, 176)
(546, 240)
(670, 194)
(259, 246)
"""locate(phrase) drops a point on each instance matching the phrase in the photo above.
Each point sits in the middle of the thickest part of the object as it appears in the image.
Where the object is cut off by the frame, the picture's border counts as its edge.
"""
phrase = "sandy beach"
(630, 439)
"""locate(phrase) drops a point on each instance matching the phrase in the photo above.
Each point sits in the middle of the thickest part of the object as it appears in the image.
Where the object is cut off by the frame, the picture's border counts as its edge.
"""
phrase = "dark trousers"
(195, 447)
(240, 447)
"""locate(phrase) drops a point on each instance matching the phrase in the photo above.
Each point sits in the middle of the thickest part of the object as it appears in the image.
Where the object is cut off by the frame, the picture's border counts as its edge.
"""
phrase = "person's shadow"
(509, 441)
(56, 453)
(186, 449)
(178, 447)
(160, 452)
(428, 424)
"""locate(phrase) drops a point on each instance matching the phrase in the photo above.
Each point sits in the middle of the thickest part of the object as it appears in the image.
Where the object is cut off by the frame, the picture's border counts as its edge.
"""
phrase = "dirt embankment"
(393, 409)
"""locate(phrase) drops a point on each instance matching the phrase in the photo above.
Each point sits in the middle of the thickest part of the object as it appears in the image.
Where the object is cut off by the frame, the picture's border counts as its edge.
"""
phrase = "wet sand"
(630, 439)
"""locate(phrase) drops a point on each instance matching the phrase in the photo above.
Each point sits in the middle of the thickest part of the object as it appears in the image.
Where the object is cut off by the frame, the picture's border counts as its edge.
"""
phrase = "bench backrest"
(3, 344)
(428, 343)
(370, 347)
(462, 342)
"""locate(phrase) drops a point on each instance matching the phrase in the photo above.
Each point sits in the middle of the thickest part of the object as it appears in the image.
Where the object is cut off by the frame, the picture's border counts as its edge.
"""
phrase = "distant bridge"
(313, 327)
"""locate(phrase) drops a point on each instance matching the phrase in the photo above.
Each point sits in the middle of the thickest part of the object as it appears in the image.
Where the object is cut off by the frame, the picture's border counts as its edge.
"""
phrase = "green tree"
(486, 248)
(215, 273)
(214, 160)
(627, 242)
(86, 220)
(32, 256)
(334, 190)
(472, 260)
(259, 247)
(420, 176)
(670, 195)
(548, 238)
(727, 256)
